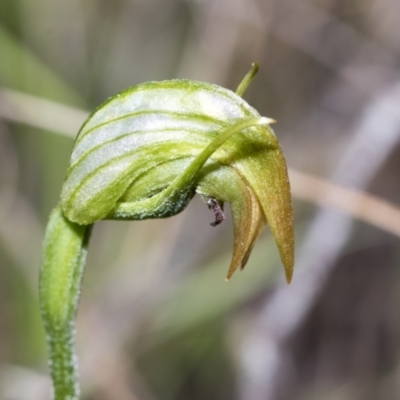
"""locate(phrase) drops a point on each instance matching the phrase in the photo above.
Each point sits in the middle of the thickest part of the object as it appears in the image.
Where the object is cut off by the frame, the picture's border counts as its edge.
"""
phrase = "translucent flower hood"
(145, 152)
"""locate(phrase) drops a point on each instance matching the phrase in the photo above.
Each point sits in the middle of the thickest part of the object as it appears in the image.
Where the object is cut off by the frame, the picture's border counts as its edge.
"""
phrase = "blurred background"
(156, 320)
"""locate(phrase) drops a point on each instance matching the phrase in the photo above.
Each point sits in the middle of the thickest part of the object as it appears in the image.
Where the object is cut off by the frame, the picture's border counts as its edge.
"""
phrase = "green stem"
(247, 79)
(64, 253)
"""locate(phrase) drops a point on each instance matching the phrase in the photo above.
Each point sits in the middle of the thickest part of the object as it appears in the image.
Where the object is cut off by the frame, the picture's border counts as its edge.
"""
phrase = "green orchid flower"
(145, 153)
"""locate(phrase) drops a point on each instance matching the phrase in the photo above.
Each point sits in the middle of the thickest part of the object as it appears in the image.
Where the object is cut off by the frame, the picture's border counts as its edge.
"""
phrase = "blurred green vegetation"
(157, 320)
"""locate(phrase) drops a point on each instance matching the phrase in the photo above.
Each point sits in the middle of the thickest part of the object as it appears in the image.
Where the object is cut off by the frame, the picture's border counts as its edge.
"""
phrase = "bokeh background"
(157, 321)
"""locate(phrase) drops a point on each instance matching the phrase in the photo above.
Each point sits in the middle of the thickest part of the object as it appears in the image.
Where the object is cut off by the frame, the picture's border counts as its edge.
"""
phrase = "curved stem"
(247, 79)
(64, 253)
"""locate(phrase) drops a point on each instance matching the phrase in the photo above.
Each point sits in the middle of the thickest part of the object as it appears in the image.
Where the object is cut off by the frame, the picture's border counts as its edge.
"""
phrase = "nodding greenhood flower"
(145, 153)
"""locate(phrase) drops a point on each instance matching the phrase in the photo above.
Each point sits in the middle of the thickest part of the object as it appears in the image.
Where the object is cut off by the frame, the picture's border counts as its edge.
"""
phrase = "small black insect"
(217, 207)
